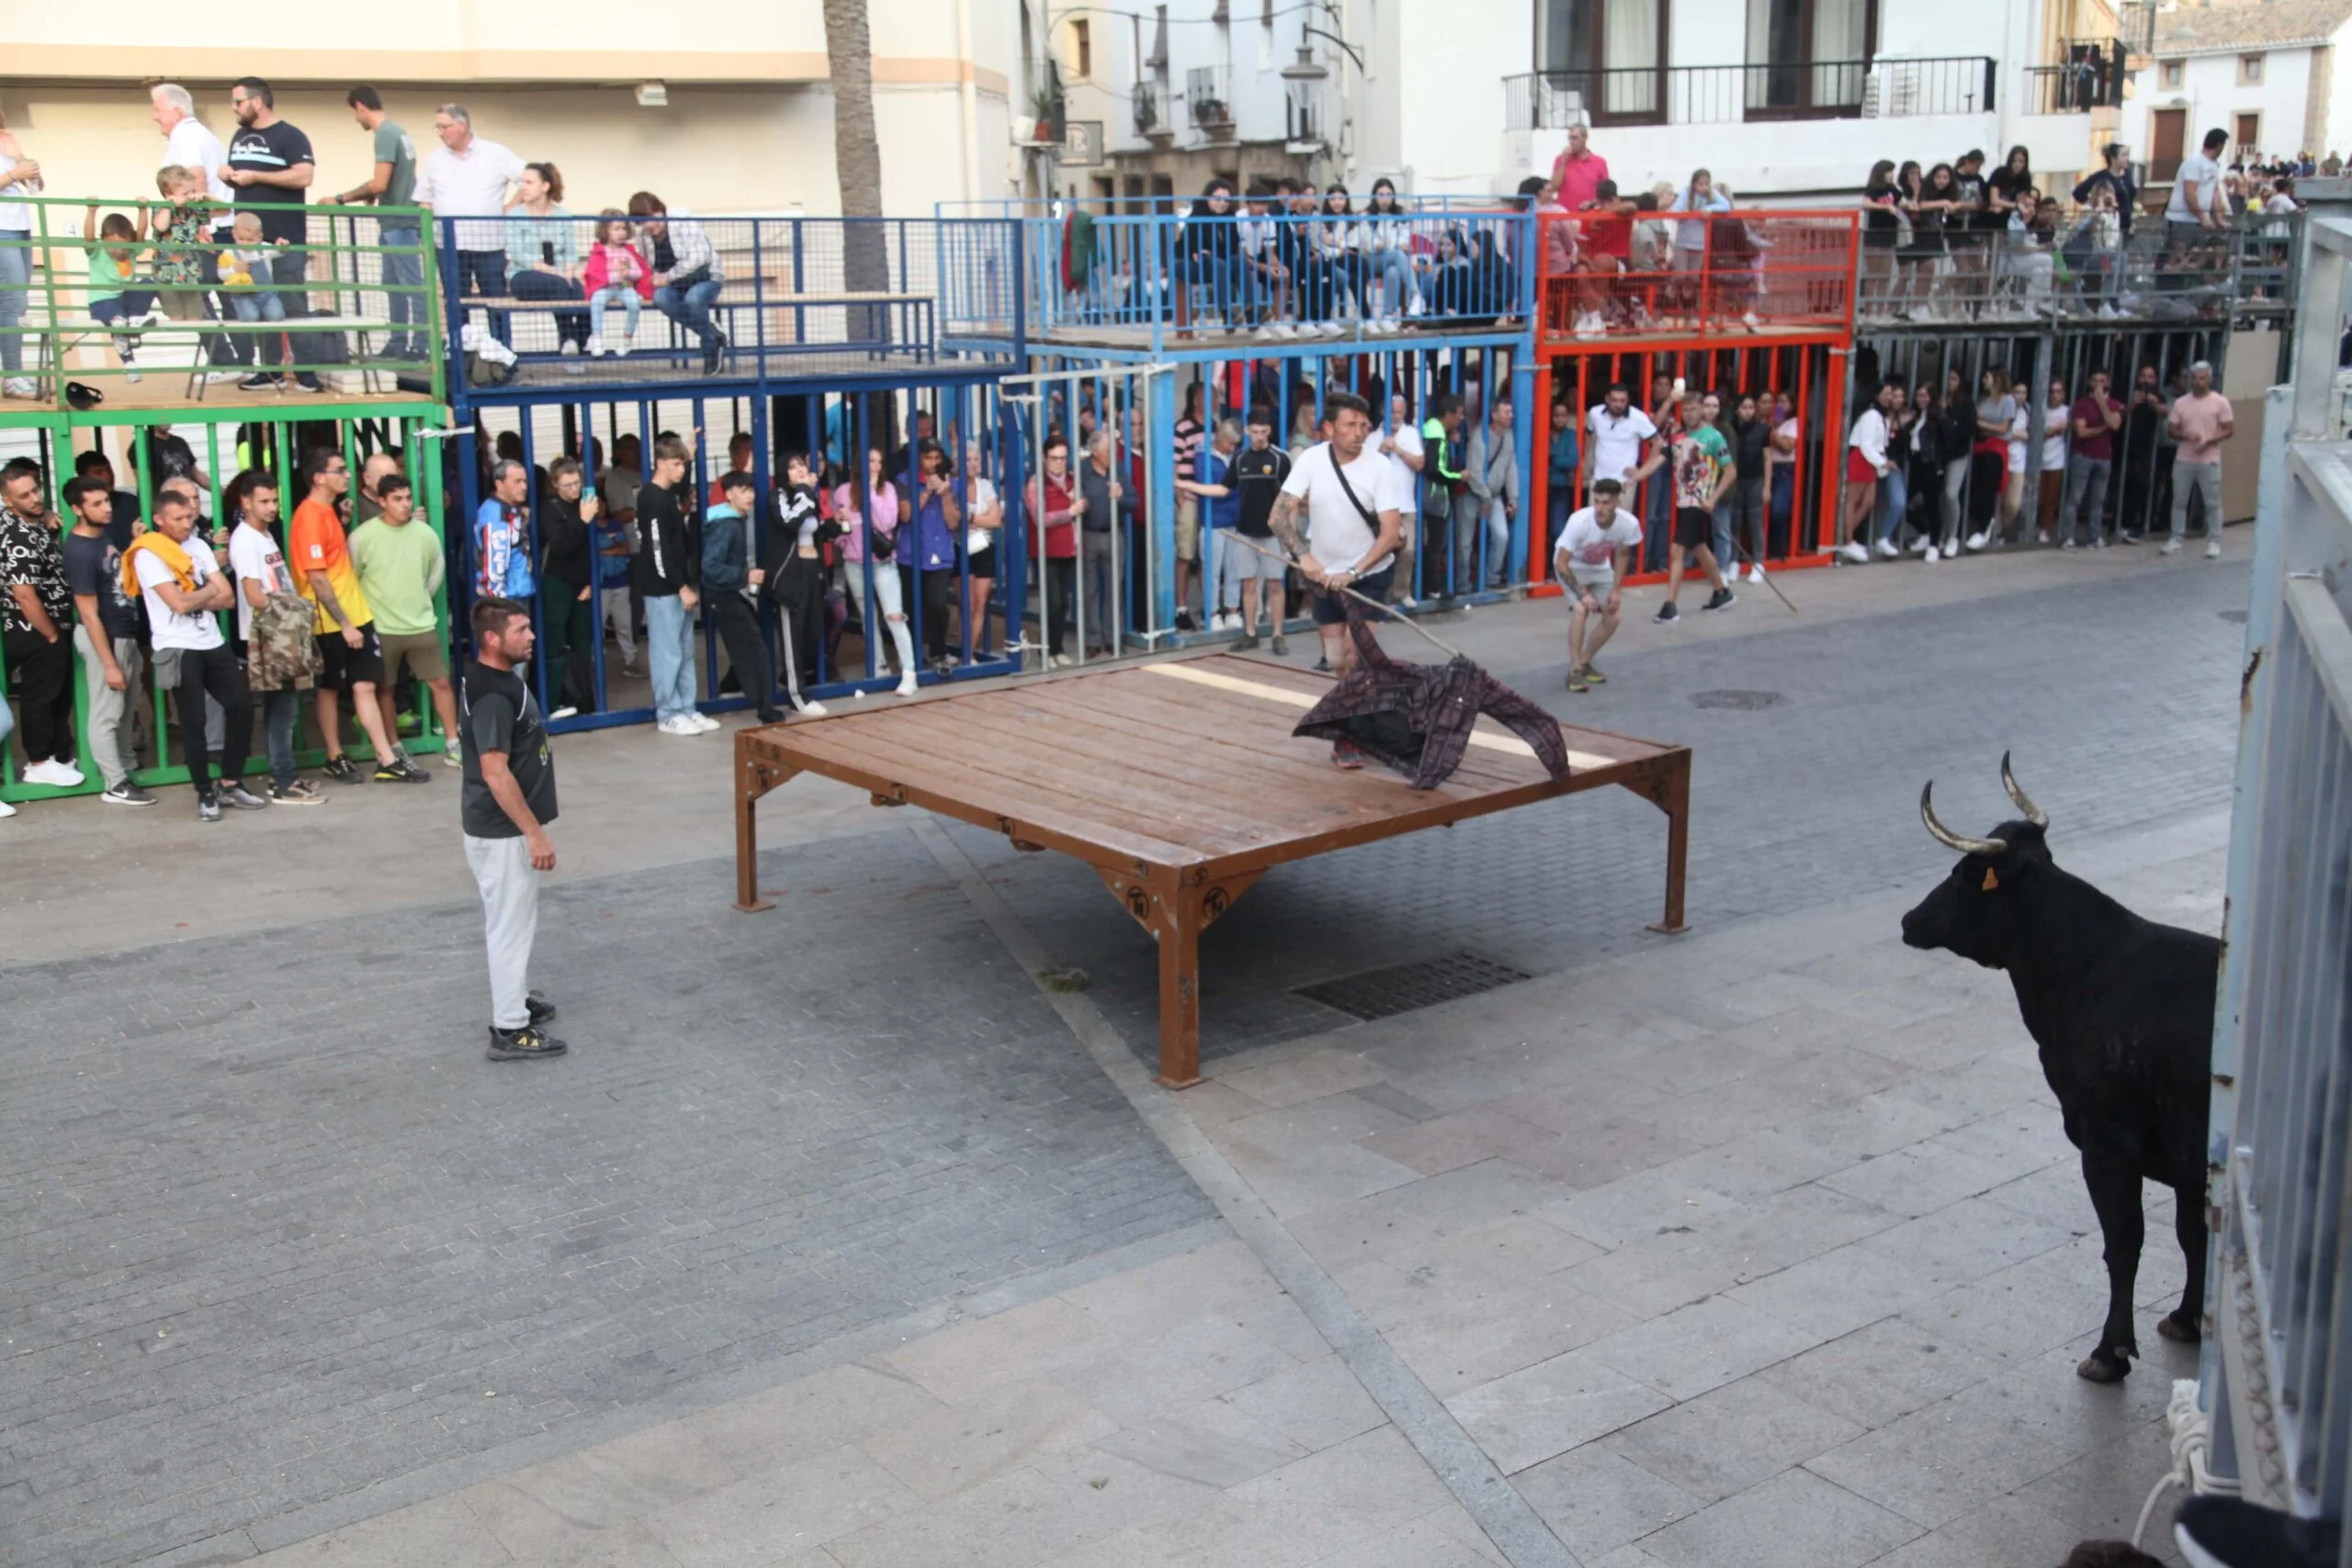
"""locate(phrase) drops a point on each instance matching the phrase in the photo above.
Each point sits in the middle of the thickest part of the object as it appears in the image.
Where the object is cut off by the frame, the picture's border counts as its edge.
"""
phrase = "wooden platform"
(1178, 781)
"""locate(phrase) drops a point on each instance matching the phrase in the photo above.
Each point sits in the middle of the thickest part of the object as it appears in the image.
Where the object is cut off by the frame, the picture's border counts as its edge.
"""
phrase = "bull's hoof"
(2095, 1368)
(2180, 1329)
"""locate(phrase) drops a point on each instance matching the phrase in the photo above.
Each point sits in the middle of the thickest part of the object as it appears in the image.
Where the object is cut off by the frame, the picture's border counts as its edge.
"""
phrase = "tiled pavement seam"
(1465, 1469)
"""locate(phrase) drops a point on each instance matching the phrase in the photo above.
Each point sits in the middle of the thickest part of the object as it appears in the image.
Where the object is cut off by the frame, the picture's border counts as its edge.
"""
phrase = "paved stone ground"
(2116, 695)
(1670, 1230)
(270, 1239)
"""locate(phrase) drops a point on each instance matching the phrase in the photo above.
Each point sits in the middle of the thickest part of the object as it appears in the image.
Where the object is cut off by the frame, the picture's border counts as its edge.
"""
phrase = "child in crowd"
(246, 280)
(112, 248)
(177, 264)
(616, 273)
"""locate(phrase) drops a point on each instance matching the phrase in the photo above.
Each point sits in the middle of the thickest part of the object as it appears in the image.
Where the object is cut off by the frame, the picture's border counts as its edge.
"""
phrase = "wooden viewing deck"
(1179, 783)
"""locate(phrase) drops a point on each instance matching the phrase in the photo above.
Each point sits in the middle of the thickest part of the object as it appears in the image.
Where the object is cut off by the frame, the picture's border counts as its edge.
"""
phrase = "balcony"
(1732, 95)
(1151, 111)
(2091, 78)
(1208, 99)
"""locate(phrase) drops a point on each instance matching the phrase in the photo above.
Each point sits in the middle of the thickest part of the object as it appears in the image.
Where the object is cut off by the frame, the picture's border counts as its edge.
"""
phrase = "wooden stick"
(1386, 612)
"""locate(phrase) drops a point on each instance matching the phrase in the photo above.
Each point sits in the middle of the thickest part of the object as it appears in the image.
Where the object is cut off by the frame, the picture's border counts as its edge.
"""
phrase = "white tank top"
(15, 215)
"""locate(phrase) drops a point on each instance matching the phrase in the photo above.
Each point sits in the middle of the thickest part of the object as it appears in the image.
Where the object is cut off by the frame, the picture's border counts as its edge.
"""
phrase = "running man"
(1703, 475)
(1595, 552)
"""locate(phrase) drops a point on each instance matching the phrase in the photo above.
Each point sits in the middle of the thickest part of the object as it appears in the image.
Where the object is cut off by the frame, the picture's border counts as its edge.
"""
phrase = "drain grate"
(1404, 987)
(2235, 617)
(1745, 701)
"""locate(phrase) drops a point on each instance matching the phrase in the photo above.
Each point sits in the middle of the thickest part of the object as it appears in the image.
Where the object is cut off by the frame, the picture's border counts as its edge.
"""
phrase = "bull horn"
(1950, 839)
(2009, 782)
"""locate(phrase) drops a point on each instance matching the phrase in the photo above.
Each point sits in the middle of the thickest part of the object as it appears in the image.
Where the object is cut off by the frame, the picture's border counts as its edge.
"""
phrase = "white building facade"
(2276, 77)
(1781, 99)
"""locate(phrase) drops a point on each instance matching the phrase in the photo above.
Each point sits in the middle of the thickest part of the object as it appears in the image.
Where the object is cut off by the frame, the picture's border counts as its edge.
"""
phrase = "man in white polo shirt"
(472, 177)
(1352, 500)
(1618, 430)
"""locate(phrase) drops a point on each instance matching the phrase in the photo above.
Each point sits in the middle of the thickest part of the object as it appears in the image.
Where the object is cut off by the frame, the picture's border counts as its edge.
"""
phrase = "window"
(2247, 128)
(2169, 73)
(1082, 45)
(2250, 70)
(1808, 56)
(1611, 53)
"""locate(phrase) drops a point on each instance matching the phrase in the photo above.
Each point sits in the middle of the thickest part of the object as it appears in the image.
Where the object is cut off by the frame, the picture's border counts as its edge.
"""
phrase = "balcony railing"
(1208, 99)
(1151, 111)
(350, 300)
(1729, 95)
(2087, 83)
(777, 296)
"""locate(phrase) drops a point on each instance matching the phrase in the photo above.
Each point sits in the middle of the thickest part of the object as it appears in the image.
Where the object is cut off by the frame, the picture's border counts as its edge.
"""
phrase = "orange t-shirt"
(314, 542)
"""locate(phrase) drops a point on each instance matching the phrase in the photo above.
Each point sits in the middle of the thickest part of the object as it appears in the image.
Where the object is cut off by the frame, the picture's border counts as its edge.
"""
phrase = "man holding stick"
(1351, 502)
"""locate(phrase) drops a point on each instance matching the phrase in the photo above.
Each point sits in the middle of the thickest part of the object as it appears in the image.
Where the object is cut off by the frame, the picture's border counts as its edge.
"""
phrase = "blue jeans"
(403, 272)
(1894, 496)
(670, 645)
(690, 309)
(278, 712)
(16, 278)
(481, 273)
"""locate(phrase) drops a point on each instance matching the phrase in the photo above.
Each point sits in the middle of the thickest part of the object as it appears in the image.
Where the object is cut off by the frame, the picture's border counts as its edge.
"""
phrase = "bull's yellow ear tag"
(1992, 881)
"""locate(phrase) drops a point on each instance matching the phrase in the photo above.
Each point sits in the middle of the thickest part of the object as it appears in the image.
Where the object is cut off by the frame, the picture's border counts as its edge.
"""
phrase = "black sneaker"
(258, 384)
(523, 1044)
(1667, 614)
(1721, 599)
(342, 770)
(238, 797)
(308, 382)
(396, 769)
(1244, 643)
(541, 1009)
(2228, 1532)
(1184, 621)
(207, 808)
(127, 794)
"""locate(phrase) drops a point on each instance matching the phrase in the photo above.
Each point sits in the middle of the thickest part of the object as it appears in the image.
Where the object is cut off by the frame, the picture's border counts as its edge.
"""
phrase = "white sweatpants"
(510, 919)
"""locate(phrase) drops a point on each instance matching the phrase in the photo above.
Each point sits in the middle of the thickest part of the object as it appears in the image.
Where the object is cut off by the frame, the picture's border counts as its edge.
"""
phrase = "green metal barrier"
(344, 302)
(222, 452)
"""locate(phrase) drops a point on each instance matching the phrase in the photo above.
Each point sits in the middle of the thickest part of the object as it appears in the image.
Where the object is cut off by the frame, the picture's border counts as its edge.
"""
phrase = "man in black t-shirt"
(271, 165)
(508, 800)
(1257, 474)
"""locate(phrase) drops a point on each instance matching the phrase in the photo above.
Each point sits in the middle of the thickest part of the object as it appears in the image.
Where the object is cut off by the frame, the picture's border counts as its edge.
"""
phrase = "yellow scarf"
(164, 550)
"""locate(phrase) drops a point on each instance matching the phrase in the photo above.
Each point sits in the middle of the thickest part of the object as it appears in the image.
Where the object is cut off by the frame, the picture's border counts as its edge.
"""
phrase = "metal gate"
(2277, 1364)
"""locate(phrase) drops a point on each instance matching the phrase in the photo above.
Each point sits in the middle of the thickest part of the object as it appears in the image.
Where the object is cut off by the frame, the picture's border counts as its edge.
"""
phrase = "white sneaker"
(1933, 555)
(2212, 549)
(567, 711)
(1333, 329)
(620, 349)
(1887, 551)
(1852, 550)
(1748, 319)
(568, 349)
(680, 724)
(1755, 571)
(1284, 331)
(2172, 547)
(2110, 314)
(1263, 335)
(908, 685)
(1976, 541)
(595, 348)
(706, 722)
(811, 710)
(65, 776)
(132, 375)
(24, 387)
(2041, 536)
(1918, 546)
(6, 809)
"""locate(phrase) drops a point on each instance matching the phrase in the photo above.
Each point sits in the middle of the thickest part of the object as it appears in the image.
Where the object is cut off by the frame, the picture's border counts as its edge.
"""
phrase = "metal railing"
(1726, 94)
(173, 301)
(2077, 86)
(2072, 270)
(1282, 277)
(2278, 1361)
(1208, 99)
(574, 299)
(1695, 273)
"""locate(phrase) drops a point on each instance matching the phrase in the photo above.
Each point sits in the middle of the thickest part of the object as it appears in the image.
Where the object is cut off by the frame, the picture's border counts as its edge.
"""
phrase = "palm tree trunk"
(857, 162)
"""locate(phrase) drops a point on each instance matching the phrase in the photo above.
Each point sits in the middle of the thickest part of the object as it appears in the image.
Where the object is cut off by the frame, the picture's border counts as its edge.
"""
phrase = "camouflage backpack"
(280, 655)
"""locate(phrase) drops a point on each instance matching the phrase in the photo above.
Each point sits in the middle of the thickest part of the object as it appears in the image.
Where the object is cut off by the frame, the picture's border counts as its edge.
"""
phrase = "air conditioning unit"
(1560, 106)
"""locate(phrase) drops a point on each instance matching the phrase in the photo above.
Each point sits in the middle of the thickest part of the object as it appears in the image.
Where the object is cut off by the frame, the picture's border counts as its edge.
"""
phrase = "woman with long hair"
(1340, 249)
(983, 518)
(1208, 252)
(2006, 183)
(1883, 226)
(794, 582)
(543, 253)
(1751, 434)
(1385, 235)
(1779, 484)
(1956, 449)
(872, 531)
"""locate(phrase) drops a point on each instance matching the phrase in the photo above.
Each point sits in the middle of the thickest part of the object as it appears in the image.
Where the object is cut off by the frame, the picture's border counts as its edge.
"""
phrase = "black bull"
(2122, 1009)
